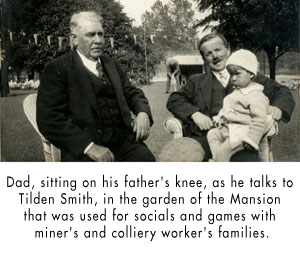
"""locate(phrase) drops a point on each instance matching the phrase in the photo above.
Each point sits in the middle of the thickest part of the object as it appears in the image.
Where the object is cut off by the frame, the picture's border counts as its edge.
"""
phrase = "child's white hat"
(245, 59)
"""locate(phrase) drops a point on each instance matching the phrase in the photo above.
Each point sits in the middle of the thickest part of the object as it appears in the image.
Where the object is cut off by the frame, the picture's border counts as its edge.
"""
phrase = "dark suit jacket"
(67, 110)
(196, 95)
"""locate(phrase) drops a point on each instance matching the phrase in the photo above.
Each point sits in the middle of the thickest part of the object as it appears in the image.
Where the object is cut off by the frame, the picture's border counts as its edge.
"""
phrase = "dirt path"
(157, 100)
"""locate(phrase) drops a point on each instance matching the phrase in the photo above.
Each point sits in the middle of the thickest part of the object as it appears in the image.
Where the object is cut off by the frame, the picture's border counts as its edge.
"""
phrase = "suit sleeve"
(135, 97)
(279, 96)
(53, 118)
(180, 103)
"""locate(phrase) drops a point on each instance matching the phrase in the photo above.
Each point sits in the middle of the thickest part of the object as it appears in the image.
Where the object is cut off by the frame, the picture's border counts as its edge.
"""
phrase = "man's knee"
(135, 152)
(143, 154)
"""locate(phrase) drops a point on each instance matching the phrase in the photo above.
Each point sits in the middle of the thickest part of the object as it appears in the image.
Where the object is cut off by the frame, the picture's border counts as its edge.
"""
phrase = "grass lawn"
(21, 143)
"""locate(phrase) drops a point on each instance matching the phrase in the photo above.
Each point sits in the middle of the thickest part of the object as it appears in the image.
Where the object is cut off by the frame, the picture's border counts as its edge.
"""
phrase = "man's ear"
(229, 51)
(74, 40)
(252, 75)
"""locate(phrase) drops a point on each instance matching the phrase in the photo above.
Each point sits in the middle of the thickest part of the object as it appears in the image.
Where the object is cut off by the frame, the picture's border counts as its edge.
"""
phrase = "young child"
(244, 118)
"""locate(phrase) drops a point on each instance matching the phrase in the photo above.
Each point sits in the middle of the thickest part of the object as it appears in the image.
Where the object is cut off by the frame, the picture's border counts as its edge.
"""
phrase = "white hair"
(89, 15)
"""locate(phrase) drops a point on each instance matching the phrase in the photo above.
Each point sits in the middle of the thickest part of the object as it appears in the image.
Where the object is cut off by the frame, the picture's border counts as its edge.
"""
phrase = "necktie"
(100, 71)
(224, 78)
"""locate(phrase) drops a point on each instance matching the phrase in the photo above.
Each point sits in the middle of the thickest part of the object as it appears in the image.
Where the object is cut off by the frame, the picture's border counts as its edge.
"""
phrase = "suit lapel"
(112, 74)
(114, 77)
(207, 89)
(83, 81)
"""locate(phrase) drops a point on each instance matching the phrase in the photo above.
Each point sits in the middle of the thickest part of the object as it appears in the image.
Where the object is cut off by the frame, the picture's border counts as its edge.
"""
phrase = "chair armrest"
(51, 153)
(273, 130)
(265, 145)
(173, 126)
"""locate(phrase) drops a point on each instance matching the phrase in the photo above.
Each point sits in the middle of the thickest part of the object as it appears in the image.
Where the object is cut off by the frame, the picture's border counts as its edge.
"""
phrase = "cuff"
(88, 147)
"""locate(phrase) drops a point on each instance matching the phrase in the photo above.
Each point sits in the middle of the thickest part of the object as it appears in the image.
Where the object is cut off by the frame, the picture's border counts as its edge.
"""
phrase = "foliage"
(172, 24)
(292, 84)
(51, 17)
(18, 52)
(272, 25)
(26, 85)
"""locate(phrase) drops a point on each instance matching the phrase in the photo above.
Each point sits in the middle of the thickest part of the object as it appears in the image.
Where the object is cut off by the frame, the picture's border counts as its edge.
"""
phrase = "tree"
(182, 14)
(4, 41)
(52, 17)
(18, 54)
(19, 19)
(172, 25)
(271, 25)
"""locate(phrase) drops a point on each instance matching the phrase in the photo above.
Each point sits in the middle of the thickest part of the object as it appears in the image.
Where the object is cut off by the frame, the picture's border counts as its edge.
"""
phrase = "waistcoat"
(218, 93)
(113, 129)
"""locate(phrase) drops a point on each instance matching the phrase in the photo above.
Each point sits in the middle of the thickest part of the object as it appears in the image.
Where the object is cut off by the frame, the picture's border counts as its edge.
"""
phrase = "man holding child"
(202, 98)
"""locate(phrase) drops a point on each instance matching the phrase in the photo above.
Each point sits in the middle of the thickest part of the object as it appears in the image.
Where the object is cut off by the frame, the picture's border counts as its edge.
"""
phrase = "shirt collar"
(222, 76)
(89, 64)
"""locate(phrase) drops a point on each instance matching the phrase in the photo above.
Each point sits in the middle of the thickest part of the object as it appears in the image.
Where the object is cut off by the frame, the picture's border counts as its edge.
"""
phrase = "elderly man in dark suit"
(202, 97)
(85, 101)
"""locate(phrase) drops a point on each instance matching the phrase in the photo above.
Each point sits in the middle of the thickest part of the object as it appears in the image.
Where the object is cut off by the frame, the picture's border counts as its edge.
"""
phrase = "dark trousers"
(124, 150)
(132, 151)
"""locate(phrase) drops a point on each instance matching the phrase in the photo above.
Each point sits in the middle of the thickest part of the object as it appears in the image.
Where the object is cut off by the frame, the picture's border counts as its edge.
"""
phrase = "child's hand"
(248, 147)
(216, 125)
(216, 121)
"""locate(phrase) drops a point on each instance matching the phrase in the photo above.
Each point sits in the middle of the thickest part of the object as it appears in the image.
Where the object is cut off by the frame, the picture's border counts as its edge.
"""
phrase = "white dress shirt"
(89, 64)
(222, 77)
